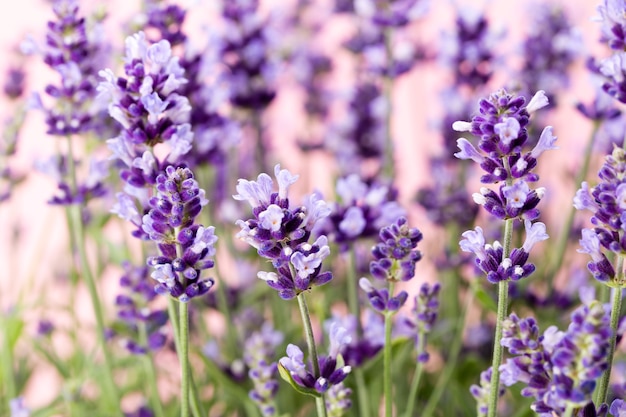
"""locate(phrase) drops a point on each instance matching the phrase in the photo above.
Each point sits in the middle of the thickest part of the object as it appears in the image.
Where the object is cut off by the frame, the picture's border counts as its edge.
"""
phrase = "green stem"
(417, 376)
(503, 295)
(569, 411)
(451, 361)
(151, 375)
(183, 357)
(310, 341)
(260, 149)
(387, 358)
(8, 377)
(79, 235)
(561, 246)
(352, 289)
(616, 307)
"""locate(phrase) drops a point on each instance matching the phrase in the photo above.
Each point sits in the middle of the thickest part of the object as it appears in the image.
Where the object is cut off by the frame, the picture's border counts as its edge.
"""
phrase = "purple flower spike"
(424, 315)
(396, 255)
(558, 368)
(332, 368)
(281, 233)
(171, 223)
(607, 202)
(259, 351)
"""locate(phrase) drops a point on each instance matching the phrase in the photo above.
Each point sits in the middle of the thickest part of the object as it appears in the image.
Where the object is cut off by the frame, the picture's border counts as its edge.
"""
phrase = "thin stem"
(260, 149)
(387, 359)
(503, 295)
(561, 246)
(352, 289)
(7, 358)
(616, 307)
(150, 374)
(183, 357)
(355, 310)
(451, 361)
(79, 235)
(310, 341)
(417, 376)
(569, 411)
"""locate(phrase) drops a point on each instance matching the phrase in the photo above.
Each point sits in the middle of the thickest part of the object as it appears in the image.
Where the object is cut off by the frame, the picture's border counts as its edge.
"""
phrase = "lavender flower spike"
(332, 368)
(281, 233)
(171, 224)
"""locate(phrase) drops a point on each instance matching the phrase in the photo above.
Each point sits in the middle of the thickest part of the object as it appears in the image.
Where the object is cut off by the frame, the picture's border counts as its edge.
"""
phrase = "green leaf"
(484, 298)
(286, 375)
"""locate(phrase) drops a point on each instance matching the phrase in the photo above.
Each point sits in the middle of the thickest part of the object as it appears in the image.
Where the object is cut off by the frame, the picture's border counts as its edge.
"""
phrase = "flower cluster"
(360, 137)
(607, 202)
(259, 349)
(423, 317)
(365, 207)
(134, 311)
(501, 127)
(281, 233)
(481, 393)
(559, 368)
(332, 368)
(549, 52)
(490, 257)
(366, 345)
(394, 260)
(76, 53)
(469, 52)
(186, 247)
(150, 110)
(247, 50)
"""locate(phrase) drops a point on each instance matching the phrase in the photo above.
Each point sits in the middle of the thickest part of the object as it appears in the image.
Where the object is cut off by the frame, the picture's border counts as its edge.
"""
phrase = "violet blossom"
(281, 233)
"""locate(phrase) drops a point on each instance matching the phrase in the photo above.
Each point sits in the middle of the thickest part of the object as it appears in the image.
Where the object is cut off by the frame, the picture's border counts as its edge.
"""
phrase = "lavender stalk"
(616, 306)
(310, 341)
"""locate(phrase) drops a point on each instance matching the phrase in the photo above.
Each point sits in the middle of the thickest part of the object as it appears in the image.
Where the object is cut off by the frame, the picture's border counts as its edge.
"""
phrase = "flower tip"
(539, 101)
(461, 126)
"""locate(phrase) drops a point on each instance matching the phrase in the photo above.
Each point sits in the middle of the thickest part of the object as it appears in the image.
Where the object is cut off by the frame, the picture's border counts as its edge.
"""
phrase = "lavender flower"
(362, 347)
(612, 15)
(247, 50)
(281, 233)
(146, 104)
(489, 257)
(469, 51)
(607, 203)
(167, 20)
(142, 411)
(338, 400)
(186, 248)
(365, 207)
(360, 137)
(14, 83)
(559, 368)
(618, 408)
(76, 54)
(259, 350)
(501, 126)
(332, 368)
(548, 52)
(18, 408)
(394, 260)
(396, 255)
(481, 393)
(134, 310)
(423, 317)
